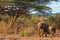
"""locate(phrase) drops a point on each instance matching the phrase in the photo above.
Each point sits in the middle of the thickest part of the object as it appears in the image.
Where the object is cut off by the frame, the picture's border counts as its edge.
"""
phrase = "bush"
(23, 33)
(6, 18)
(0, 18)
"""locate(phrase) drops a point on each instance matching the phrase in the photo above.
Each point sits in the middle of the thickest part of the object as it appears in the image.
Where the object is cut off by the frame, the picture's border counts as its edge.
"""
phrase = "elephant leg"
(40, 32)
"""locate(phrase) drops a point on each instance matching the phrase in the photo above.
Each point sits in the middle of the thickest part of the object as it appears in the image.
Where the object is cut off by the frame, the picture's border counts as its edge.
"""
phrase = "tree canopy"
(31, 4)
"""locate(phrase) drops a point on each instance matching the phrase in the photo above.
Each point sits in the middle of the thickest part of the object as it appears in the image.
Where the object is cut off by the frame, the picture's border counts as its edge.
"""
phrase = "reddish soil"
(15, 37)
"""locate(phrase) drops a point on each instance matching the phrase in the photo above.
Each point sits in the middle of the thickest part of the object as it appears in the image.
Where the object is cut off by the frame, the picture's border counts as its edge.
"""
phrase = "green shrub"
(0, 18)
(6, 18)
(23, 33)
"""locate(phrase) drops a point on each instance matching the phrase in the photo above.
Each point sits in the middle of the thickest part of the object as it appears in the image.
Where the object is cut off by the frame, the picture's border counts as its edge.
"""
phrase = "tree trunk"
(13, 22)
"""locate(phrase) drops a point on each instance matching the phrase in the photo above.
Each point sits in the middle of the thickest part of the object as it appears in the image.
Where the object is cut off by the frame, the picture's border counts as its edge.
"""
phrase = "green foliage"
(6, 18)
(21, 19)
(28, 22)
(31, 4)
(57, 22)
(7, 0)
(23, 33)
(54, 20)
(0, 18)
(34, 18)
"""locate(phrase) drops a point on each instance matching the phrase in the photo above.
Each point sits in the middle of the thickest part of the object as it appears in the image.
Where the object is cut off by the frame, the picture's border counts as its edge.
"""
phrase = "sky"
(55, 6)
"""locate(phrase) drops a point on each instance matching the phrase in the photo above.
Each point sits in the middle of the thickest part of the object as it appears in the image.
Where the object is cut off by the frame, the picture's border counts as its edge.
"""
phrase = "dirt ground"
(30, 38)
(15, 37)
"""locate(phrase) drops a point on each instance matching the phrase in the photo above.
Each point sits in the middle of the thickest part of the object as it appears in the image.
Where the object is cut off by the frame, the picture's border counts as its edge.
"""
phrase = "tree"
(54, 20)
(23, 6)
(57, 22)
(51, 19)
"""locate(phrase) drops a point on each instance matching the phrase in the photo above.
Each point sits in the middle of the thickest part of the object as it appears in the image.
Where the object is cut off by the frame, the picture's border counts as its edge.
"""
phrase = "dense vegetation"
(20, 21)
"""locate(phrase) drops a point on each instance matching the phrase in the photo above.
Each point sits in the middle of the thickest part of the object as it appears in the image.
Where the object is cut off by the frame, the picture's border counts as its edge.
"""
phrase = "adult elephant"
(44, 29)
